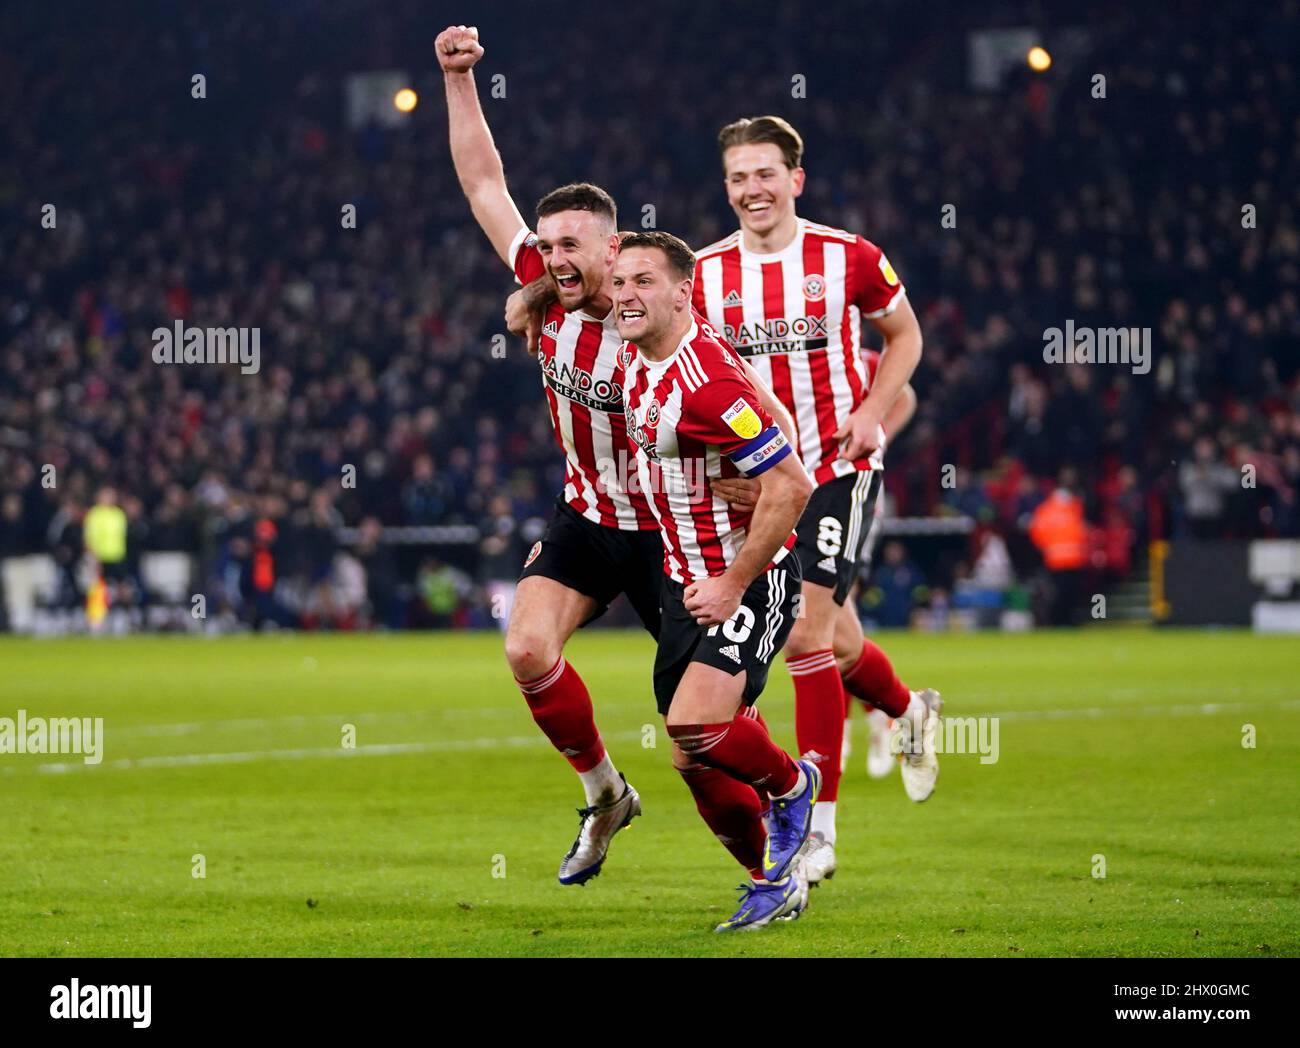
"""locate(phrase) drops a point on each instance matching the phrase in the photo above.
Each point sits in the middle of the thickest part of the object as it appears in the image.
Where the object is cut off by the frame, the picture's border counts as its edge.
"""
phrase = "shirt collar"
(687, 339)
(791, 251)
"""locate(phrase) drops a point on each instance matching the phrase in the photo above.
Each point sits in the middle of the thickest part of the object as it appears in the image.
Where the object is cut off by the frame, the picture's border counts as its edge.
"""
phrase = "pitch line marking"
(461, 745)
(385, 749)
(306, 720)
(488, 712)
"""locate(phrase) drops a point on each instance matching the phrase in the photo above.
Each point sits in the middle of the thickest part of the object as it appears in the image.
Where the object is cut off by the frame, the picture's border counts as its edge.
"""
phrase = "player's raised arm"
(478, 164)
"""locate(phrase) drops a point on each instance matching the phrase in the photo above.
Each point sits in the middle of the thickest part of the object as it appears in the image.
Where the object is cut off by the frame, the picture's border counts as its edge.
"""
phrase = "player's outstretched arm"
(474, 154)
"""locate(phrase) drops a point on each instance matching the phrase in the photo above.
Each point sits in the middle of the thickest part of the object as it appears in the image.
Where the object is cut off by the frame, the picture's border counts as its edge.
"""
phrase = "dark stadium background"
(377, 341)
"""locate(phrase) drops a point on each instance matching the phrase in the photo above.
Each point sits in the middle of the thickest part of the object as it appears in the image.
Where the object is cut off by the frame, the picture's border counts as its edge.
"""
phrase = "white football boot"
(800, 874)
(818, 859)
(599, 824)
(913, 742)
(880, 762)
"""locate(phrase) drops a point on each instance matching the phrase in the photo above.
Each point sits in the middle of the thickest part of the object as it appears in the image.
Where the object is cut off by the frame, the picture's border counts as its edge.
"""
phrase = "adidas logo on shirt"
(733, 299)
(732, 652)
(551, 330)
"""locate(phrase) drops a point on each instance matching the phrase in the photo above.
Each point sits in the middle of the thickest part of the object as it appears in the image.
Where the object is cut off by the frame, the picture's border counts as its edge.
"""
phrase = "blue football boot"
(788, 824)
(765, 902)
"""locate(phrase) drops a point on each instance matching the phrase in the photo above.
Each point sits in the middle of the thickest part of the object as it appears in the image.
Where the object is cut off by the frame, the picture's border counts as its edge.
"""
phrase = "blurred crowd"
(381, 362)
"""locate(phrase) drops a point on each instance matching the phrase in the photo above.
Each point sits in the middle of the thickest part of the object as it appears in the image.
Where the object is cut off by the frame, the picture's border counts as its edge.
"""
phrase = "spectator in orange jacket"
(1060, 532)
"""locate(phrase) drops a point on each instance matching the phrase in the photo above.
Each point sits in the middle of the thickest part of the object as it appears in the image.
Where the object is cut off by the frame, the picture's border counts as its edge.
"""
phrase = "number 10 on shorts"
(738, 627)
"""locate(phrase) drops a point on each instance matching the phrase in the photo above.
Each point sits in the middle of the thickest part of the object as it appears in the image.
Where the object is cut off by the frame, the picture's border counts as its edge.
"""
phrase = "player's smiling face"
(648, 296)
(578, 251)
(760, 188)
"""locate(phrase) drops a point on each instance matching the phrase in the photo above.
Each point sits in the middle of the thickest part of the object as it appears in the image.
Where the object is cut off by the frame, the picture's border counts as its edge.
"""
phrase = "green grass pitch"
(1120, 743)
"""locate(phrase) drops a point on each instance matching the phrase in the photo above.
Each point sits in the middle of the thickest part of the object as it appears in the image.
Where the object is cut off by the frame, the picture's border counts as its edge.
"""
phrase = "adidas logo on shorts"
(732, 652)
(827, 564)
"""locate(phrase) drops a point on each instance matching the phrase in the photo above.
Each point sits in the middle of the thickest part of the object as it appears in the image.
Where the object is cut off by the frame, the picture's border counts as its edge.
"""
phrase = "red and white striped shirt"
(692, 417)
(578, 356)
(796, 315)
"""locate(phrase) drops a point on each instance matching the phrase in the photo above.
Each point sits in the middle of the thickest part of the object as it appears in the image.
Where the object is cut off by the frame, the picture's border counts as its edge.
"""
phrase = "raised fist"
(458, 48)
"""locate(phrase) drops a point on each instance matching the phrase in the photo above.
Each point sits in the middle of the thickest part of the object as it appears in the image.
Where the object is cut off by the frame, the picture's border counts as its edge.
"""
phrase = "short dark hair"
(681, 259)
(774, 129)
(579, 196)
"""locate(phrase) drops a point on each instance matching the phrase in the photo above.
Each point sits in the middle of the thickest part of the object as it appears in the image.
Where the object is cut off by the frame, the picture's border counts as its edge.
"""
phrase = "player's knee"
(683, 762)
(807, 636)
(845, 662)
(531, 652)
(847, 652)
(689, 715)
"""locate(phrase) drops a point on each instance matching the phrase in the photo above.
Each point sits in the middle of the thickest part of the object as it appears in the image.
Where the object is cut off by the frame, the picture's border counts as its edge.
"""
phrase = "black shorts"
(601, 562)
(748, 641)
(833, 528)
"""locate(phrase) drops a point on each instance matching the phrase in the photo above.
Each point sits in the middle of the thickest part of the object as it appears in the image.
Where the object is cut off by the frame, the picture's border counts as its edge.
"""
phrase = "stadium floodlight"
(381, 98)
